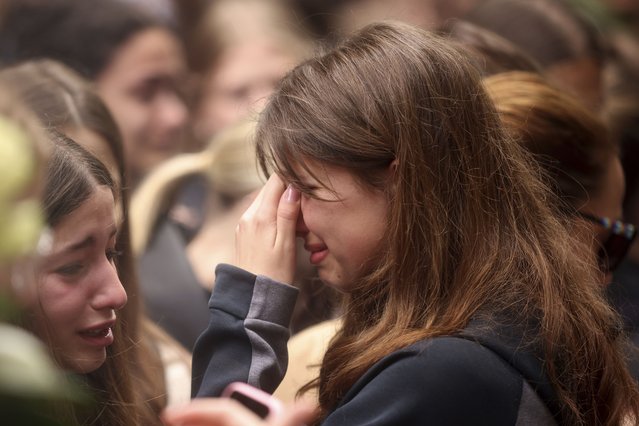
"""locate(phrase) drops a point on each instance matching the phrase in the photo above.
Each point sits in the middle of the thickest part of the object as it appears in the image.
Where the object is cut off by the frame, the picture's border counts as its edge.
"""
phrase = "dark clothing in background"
(624, 296)
(173, 296)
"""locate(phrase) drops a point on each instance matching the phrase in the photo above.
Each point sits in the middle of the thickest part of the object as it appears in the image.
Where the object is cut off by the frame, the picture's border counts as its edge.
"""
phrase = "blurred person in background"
(332, 19)
(587, 165)
(177, 275)
(489, 52)
(136, 63)
(176, 280)
(622, 111)
(570, 50)
(239, 50)
(578, 156)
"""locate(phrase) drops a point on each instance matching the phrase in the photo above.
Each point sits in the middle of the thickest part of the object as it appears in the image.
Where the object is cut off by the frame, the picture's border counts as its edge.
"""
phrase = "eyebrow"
(87, 242)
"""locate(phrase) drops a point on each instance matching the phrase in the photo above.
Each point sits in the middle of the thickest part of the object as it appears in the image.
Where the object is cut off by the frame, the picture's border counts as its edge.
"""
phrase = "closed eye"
(315, 192)
(70, 270)
(113, 255)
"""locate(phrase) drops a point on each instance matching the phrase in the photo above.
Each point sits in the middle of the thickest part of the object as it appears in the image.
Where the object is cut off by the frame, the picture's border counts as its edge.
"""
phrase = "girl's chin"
(87, 363)
(335, 282)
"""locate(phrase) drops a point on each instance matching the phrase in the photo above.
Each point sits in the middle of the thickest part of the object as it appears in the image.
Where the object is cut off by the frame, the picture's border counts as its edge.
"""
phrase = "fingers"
(287, 212)
(227, 412)
(300, 413)
(210, 412)
(265, 203)
(265, 236)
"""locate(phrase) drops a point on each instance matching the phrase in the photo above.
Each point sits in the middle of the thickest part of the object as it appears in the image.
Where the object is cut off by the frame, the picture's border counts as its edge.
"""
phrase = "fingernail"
(292, 194)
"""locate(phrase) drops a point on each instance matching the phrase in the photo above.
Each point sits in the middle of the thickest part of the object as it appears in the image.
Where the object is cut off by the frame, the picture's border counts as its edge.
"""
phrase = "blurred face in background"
(141, 87)
(239, 84)
(607, 203)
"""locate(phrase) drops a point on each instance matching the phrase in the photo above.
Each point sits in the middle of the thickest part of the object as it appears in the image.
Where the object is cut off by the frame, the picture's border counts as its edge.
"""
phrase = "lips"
(99, 335)
(318, 252)
(102, 332)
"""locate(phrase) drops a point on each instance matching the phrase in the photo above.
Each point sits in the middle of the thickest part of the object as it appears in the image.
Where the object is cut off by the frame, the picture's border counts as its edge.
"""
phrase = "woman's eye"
(113, 254)
(70, 269)
(146, 91)
(240, 94)
(318, 193)
(144, 94)
(310, 193)
(305, 190)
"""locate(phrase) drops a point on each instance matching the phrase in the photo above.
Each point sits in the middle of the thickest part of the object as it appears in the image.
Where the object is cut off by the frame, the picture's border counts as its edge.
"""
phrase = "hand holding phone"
(256, 400)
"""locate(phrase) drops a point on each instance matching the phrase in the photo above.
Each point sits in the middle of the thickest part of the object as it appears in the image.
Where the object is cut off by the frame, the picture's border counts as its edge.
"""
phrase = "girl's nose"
(111, 293)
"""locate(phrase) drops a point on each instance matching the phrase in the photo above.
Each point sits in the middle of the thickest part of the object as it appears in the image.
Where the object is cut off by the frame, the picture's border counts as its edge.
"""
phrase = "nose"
(259, 103)
(172, 111)
(301, 230)
(110, 293)
(260, 95)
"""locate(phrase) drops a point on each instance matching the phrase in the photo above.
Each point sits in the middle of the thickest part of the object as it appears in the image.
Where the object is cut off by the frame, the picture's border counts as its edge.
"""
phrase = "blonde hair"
(228, 163)
(226, 23)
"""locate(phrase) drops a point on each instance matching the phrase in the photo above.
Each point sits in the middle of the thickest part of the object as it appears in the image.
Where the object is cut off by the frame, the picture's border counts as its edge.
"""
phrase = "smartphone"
(256, 400)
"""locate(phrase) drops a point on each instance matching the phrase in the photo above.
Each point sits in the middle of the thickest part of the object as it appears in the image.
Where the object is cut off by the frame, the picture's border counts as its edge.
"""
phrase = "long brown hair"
(468, 217)
(72, 177)
(63, 101)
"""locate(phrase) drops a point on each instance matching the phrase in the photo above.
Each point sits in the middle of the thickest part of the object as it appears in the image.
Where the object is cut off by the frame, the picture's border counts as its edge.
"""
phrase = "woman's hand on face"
(227, 412)
(265, 235)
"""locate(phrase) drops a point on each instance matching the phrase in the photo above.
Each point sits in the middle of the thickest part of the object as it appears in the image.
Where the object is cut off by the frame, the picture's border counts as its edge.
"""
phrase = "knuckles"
(288, 212)
(256, 225)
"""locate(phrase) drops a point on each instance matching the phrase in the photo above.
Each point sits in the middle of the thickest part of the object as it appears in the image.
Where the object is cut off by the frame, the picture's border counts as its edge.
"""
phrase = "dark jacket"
(442, 381)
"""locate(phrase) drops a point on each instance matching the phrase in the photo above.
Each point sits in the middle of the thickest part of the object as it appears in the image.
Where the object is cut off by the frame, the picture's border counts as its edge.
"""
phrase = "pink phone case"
(256, 400)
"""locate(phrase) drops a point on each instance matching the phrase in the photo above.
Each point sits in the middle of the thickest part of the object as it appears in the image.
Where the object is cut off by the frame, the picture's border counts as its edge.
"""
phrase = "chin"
(87, 363)
(330, 280)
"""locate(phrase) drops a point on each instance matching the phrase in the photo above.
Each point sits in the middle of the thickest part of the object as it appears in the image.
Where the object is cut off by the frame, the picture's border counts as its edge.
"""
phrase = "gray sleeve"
(247, 333)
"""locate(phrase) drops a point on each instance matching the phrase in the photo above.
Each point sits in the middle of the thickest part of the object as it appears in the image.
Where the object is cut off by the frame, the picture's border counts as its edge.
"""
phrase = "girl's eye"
(304, 189)
(70, 269)
(144, 95)
(113, 254)
(145, 91)
(318, 193)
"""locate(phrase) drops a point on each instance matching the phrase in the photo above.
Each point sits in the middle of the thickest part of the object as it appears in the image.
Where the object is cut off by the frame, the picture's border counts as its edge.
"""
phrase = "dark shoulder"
(450, 362)
(446, 380)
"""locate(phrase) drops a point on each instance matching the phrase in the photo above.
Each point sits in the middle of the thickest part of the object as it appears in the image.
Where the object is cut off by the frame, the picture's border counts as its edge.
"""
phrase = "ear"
(391, 174)
(392, 167)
